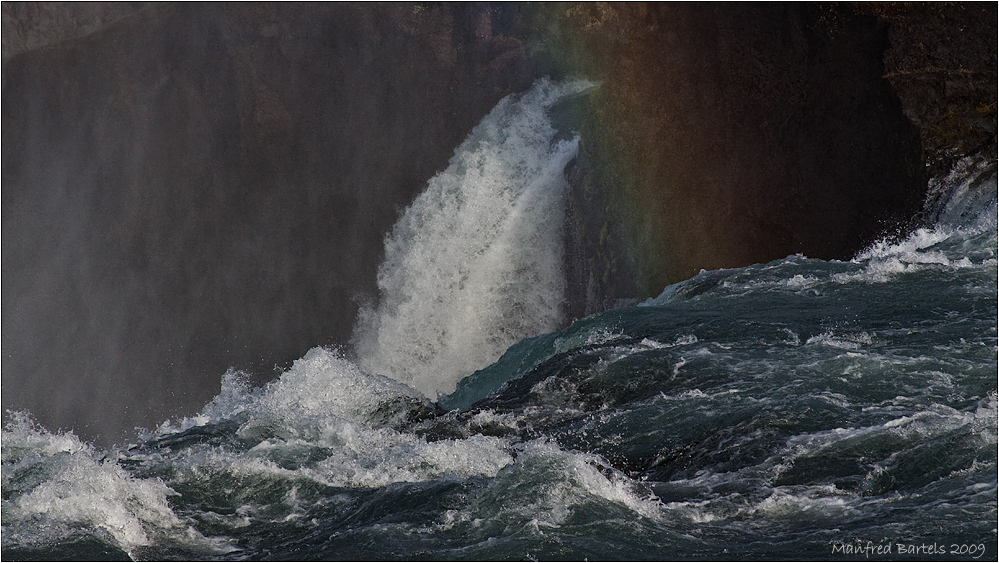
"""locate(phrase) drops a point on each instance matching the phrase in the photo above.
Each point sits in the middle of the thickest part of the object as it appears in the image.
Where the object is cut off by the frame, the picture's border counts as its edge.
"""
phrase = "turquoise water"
(799, 409)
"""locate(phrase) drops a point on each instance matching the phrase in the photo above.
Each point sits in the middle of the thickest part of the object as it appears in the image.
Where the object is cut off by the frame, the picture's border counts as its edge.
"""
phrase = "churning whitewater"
(799, 409)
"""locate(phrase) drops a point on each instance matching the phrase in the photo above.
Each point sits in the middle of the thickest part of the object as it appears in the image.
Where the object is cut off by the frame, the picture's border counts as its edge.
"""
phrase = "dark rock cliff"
(30, 25)
(188, 187)
(941, 64)
(728, 134)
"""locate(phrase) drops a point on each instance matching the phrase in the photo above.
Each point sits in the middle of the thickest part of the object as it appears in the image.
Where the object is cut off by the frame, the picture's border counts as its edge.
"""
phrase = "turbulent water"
(800, 409)
(475, 264)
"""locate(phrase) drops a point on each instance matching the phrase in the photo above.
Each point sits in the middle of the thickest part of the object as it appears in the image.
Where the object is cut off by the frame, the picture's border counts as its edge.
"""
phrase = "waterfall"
(476, 262)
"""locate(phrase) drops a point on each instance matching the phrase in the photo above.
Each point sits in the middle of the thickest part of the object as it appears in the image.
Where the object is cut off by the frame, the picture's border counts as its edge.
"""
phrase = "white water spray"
(475, 263)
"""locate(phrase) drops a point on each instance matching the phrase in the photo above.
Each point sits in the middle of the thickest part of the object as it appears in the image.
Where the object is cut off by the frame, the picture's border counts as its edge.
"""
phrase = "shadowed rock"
(731, 134)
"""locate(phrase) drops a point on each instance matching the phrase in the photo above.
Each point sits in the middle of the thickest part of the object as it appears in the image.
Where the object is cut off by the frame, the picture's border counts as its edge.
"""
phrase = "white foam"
(355, 456)
(934, 421)
(475, 263)
(823, 501)
(547, 486)
(965, 209)
(403, 458)
(846, 342)
(65, 487)
(325, 401)
(578, 340)
(320, 387)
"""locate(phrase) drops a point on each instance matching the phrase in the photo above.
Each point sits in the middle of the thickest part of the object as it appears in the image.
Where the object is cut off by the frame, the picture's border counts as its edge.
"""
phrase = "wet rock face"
(192, 187)
(942, 66)
(32, 25)
(727, 135)
(739, 134)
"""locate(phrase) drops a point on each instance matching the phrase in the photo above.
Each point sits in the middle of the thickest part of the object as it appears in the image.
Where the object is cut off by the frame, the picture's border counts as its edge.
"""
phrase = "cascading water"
(800, 409)
(475, 263)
